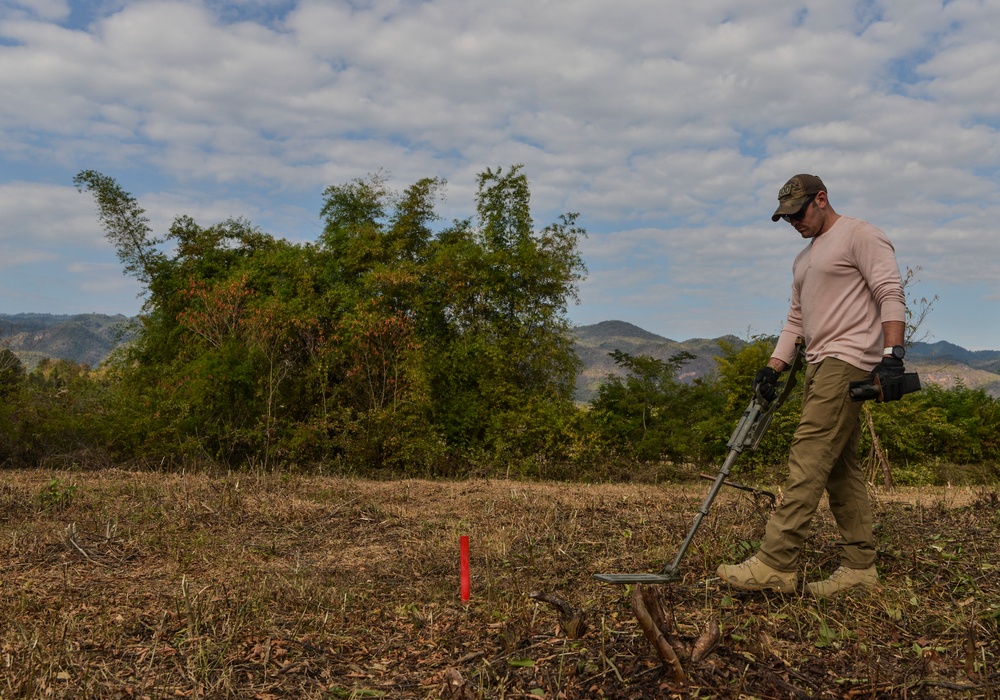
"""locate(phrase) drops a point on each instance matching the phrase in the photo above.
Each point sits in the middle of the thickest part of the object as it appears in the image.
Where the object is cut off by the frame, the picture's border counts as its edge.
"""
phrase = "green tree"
(55, 417)
(384, 342)
(499, 340)
(649, 415)
(11, 372)
(125, 223)
(487, 297)
(936, 434)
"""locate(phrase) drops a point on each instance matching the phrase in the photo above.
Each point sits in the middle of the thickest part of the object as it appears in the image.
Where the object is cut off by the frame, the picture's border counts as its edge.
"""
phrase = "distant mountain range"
(86, 339)
(940, 363)
(90, 338)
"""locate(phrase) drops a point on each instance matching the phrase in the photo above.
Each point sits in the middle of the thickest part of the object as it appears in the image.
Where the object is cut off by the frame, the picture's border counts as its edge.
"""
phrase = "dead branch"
(71, 539)
(657, 608)
(877, 457)
(707, 642)
(573, 622)
(652, 631)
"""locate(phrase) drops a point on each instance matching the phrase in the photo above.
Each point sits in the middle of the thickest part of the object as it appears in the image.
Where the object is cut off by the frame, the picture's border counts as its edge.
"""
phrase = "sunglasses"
(797, 216)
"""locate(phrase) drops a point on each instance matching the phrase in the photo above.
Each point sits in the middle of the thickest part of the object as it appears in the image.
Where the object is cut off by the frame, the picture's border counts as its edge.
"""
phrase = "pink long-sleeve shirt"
(845, 284)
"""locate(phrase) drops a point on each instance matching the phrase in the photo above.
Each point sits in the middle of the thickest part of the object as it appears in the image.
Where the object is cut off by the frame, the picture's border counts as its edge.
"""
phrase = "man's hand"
(765, 383)
(888, 375)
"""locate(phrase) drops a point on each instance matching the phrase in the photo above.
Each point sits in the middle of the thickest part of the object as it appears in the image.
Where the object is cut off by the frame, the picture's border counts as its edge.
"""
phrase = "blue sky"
(669, 126)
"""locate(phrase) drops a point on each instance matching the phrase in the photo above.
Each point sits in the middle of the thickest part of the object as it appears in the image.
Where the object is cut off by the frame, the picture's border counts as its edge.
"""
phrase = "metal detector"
(749, 432)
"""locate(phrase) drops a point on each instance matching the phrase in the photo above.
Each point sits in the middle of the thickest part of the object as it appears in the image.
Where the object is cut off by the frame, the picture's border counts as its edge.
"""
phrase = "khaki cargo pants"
(824, 456)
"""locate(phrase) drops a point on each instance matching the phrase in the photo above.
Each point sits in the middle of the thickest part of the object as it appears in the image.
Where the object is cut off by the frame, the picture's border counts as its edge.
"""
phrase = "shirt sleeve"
(792, 330)
(876, 259)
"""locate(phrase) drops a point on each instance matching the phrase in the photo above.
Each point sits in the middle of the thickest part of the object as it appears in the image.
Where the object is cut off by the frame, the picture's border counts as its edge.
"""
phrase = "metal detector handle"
(793, 371)
(757, 416)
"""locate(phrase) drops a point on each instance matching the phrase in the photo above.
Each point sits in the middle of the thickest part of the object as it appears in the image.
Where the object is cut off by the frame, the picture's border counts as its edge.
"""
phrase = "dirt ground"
(120, 584)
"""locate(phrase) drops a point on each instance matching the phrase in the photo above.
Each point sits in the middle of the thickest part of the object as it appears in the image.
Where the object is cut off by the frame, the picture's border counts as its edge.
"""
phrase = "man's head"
(796, 195)
(803, 203)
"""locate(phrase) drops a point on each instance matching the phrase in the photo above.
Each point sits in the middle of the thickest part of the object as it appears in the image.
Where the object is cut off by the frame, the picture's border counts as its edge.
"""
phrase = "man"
(849, 306)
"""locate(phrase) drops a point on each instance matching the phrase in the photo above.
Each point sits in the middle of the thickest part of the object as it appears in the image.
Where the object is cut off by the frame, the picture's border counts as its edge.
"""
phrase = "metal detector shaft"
(746, 437)
(673, 569)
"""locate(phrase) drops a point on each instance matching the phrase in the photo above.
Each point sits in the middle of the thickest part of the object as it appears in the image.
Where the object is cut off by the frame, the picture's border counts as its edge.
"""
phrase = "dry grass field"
(120, 584)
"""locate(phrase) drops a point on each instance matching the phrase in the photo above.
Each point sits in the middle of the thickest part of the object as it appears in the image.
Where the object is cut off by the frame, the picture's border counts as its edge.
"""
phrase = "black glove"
(765, 383)
(888, 376)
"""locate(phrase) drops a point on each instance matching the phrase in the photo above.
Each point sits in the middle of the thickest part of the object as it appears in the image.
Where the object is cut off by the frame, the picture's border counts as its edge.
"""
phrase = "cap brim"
(792, 206)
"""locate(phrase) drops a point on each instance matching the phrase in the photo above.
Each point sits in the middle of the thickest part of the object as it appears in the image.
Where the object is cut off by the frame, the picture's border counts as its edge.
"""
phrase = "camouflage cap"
(796, 193)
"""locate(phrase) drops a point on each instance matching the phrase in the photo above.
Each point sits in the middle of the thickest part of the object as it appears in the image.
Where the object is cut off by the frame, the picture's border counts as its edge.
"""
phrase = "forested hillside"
(86, 339)
(941, 363)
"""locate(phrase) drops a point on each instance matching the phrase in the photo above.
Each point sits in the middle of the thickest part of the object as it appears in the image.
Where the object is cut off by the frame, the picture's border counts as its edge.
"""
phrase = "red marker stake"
(463, 542)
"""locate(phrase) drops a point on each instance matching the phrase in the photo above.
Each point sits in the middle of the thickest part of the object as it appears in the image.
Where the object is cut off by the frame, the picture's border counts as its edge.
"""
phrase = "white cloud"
(101, 279)
(50, 10)
(676, 120)
(47, 214)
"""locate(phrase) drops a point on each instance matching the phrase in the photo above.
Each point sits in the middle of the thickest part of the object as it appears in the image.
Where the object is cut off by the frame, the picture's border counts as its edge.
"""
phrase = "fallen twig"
(71, 539)
(573, 622)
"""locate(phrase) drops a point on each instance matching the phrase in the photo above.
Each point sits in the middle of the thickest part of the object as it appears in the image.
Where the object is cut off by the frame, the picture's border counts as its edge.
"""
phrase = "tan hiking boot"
(755, 575)
(842, 579)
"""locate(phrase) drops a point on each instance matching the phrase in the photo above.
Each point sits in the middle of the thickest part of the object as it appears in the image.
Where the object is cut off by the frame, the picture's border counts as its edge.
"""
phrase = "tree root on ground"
(651, 612)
